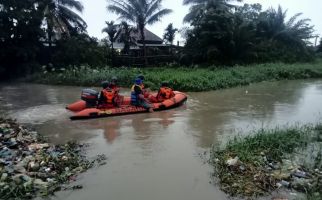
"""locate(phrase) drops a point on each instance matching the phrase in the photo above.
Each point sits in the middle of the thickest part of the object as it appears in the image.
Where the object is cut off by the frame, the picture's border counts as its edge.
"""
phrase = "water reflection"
(111, 129)
(157, 121)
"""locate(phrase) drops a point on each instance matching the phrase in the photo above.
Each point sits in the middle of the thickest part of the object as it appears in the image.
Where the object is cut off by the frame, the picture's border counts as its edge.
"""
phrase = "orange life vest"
(109, 95)
(115, 88)
(166, 92)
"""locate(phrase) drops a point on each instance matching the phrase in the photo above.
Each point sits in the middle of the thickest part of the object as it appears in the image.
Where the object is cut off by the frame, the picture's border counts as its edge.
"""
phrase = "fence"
(140, 61)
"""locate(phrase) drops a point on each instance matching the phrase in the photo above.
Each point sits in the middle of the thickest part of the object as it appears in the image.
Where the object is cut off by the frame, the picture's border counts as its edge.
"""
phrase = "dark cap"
(114, 78)
(140, 76)
(164, 84)
(104, 84)
(138, 81)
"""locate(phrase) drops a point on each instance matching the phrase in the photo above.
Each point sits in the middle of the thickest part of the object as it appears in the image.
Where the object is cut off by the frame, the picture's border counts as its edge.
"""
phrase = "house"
(152, 43)
(156, 51)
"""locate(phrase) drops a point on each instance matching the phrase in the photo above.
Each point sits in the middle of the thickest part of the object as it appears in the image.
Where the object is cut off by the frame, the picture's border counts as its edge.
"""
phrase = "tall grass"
(275, 143)
(184, 79)
(251, 176)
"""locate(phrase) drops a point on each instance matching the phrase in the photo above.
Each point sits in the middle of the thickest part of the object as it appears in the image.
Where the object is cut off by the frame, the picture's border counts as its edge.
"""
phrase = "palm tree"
(199, 6)
(60, 17)
(221, 37)
(273, 26)
(320, 46)
(169, 34)
(126, 36)
(113, 32)
(139, 12)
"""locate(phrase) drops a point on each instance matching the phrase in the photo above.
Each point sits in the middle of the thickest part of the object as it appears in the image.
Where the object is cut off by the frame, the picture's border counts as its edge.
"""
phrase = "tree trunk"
(112, 58)
(144, 47)
(50, 44)
(145, 54)
(49, 40)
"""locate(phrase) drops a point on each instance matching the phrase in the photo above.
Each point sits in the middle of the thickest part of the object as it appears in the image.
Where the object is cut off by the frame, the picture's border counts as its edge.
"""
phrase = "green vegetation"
(112, 31)
(184, 79)
(79, 49)
(61, 19)
(228, 34)
(320, 46)
(169, 34)
(51, 32)
(267, 159)
(140, 13)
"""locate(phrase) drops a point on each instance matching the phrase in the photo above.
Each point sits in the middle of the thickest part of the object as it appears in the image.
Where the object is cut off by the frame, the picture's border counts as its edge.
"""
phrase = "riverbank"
(31, 167)
(183, 79)
(267, 160)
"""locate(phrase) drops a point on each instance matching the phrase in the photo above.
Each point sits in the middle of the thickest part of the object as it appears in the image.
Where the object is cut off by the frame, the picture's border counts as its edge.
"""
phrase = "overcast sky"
(95, 14)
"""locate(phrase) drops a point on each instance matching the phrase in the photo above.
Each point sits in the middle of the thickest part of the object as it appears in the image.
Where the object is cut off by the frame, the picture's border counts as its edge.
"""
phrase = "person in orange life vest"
(165, 92)
(137, 97)
(118, 99)
(113, 84)
(107, 96)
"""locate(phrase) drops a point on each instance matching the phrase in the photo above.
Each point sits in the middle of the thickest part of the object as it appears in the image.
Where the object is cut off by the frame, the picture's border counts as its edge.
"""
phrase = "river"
(159, 155)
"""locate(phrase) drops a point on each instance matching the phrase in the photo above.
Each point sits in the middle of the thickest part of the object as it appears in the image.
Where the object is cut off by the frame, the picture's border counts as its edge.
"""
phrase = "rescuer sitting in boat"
(118, 99)
(165, 92)
(107, 96)
(145, 89)
(137, 96)
(113, 85)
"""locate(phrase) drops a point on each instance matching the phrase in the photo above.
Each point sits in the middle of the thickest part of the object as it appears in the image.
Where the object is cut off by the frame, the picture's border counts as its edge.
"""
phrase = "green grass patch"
(183, 78)
(275, 143)
(254, 165)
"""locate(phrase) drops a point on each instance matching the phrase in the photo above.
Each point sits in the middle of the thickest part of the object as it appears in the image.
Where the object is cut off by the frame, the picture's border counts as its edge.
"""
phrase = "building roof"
(149, 37)
(118, 45)
(151, 40)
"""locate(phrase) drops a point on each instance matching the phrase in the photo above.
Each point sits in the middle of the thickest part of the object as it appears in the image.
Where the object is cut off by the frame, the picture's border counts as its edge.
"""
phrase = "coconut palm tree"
(319, 49)
(139, 12)
(199, 6)
(169, 34)
(126, 36)
(113, 32)
(60, 17)
(273, 26)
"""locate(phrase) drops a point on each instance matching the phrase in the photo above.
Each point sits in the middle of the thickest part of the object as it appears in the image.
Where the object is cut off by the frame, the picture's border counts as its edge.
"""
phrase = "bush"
(79, 50)
(183, 78)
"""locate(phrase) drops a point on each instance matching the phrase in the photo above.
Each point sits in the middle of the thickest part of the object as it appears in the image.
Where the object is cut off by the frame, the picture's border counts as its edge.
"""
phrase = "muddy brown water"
(157, 155)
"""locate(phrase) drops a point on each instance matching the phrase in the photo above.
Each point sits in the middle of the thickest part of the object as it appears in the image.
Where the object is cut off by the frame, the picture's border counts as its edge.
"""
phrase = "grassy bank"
(184, 79)
(269, 159)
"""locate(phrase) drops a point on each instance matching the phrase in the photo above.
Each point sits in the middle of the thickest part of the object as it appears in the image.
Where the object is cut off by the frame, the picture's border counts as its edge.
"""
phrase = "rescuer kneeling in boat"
(165, 92)
(137, 96)
(107, 96)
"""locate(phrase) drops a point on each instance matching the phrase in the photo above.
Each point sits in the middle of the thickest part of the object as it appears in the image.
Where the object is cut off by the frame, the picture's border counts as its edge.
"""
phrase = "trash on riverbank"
(289, 159)
(29, 166)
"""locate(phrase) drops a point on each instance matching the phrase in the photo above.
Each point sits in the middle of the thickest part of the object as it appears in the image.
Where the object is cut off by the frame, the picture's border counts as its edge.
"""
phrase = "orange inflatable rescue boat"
(87, 107)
